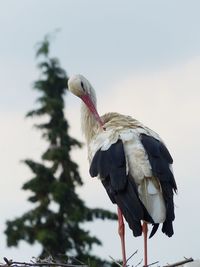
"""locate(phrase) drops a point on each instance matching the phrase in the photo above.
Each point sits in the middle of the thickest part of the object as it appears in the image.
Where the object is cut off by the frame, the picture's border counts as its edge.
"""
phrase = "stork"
(133, 164)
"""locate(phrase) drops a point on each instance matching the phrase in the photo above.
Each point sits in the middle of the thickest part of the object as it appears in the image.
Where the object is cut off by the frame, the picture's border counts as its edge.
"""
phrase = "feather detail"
(110, 165)
(138, 163)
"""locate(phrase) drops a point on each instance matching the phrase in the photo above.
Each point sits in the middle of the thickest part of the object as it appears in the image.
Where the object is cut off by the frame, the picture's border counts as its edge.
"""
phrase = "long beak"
(87, 100)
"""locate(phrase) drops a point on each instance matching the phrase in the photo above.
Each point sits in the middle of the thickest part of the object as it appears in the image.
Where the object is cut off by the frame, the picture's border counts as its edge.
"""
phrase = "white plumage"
(137, 162)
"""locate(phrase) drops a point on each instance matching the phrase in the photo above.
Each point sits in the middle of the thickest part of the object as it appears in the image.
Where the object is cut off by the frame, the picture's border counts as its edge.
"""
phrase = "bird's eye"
(82, 85)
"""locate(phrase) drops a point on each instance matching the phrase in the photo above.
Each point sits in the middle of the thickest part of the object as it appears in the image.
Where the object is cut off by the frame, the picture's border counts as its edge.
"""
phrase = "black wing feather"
(160, 159)
(110, 165)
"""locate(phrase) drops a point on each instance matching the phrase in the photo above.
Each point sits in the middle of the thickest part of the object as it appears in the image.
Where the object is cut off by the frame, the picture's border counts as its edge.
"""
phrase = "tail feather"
(167, 228)
(154, 230)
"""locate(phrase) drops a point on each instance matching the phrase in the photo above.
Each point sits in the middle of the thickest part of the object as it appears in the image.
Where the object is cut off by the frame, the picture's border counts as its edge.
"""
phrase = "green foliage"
(58, 214)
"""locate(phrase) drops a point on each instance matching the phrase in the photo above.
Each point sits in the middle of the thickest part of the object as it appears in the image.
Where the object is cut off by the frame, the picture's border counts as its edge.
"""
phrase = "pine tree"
(56, 220)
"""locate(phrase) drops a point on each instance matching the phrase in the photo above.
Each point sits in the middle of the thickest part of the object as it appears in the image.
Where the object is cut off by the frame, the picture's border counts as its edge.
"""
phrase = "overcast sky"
(143, 59)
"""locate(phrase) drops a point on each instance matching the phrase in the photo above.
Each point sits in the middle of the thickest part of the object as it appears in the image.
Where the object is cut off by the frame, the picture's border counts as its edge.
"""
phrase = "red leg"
(145, 230)
(121, 232)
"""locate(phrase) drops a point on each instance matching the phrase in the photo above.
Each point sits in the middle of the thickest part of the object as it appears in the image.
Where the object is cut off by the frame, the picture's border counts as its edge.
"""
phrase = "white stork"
(132, 163)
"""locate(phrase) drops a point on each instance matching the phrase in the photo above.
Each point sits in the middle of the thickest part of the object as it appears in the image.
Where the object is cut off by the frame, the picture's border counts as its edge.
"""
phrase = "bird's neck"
(89, 124)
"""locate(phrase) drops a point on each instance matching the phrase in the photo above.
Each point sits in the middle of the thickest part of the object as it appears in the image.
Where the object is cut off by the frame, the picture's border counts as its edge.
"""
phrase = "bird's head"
(81, 87)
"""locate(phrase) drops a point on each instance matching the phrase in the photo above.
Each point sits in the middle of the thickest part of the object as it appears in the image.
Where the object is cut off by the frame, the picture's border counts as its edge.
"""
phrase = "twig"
(153, 263)
(131, 256)
(76, 260)
(126, 260)
(139, 263)
(179, 262)
(115, 261)
(8, 262)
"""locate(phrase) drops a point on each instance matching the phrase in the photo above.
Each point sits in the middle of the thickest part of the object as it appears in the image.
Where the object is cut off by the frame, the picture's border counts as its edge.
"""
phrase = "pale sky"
(143, 59)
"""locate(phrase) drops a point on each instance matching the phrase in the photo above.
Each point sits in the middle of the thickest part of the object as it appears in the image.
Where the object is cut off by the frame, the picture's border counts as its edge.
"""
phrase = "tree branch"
(10, 263)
